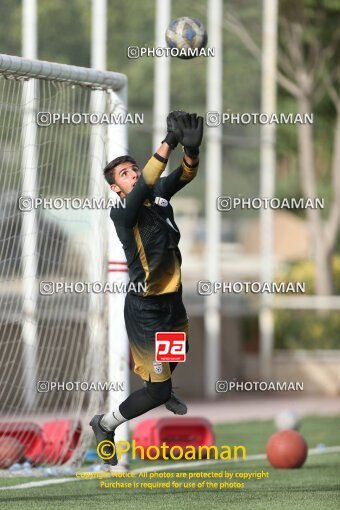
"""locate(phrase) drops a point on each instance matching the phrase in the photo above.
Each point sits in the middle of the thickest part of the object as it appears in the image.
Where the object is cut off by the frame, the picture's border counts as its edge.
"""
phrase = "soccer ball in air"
(186, 34)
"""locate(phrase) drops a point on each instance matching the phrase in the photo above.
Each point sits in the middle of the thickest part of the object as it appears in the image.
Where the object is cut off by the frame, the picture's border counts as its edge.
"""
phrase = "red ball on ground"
(11, 451)
(286, 449)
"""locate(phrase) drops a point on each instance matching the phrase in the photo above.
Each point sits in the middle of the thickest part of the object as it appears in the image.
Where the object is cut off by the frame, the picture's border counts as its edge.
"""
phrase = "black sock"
(145, 399)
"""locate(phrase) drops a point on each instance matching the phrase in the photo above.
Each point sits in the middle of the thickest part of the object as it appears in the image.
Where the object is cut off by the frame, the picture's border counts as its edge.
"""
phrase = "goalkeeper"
(148, 232)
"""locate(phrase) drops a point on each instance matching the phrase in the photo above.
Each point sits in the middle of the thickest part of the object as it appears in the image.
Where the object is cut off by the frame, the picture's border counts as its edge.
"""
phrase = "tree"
(308, 69)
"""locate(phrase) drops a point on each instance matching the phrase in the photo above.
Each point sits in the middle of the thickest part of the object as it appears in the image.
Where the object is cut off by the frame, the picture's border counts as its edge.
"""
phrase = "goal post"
(17, 66)
(64, 332)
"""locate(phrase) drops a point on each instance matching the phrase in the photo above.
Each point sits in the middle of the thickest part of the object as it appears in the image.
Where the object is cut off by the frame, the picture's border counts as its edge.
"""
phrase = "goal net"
(59, 125)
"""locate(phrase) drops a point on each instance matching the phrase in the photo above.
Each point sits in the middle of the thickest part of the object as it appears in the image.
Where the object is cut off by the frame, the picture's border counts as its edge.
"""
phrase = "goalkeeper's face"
(126, 176)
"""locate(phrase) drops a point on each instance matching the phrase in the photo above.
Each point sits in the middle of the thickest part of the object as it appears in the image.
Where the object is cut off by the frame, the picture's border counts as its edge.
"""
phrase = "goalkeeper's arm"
(187, 129)
(191, 161)
(167, 186)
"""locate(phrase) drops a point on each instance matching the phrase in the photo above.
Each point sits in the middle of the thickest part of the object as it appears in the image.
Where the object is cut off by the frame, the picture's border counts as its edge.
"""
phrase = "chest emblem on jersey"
(161, 201)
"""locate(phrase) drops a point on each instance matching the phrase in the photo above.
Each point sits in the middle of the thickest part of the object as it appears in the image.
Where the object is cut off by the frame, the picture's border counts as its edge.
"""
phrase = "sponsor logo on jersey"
(170, 346)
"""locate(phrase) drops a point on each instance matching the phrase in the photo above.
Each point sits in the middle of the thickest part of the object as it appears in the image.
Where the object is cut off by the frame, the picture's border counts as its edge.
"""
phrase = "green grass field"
(315, 486)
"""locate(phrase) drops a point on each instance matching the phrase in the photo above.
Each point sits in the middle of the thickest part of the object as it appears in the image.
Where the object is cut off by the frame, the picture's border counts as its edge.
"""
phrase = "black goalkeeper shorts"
(144, 317)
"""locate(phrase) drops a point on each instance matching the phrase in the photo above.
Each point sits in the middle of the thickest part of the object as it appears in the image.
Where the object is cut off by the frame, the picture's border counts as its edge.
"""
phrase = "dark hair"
(108, 171)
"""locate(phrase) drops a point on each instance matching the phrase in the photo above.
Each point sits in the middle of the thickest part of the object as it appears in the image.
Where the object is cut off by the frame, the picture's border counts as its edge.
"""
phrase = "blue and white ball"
(184, 33)
(287, 419)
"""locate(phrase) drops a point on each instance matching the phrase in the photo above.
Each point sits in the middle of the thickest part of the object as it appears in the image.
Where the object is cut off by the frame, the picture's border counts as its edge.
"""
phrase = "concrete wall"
(318, 370)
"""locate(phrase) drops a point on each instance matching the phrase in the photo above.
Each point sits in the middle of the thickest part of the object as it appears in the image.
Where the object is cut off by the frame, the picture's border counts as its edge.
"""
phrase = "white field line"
(31, 485)
(260, 456)
(182, 465)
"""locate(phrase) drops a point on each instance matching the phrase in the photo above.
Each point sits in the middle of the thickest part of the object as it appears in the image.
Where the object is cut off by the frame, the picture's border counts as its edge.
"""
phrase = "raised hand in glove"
(171, 121)
(188, 129)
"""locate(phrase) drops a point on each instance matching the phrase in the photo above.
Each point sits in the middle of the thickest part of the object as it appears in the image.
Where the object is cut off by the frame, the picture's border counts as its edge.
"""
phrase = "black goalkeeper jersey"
(147, 229)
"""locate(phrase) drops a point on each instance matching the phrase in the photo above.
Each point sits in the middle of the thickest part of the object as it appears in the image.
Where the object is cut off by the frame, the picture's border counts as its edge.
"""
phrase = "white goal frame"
(112, 143)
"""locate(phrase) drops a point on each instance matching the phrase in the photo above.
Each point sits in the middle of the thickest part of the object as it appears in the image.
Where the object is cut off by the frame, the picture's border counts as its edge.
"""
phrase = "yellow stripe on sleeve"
(153, 170)
(188, 172)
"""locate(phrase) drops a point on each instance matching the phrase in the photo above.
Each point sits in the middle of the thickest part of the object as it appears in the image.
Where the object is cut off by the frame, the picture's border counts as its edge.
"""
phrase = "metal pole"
(161, 105)
(119, 353)
(267, 184)
(28, 68)
(113, 137)
(29, 29)
(99, 38)
(212, 316)
(29, 243)
(96, 244)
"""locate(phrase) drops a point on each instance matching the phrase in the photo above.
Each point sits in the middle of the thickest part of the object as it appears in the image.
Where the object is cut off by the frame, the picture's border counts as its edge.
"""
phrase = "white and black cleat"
(104, 435)
(176, 405)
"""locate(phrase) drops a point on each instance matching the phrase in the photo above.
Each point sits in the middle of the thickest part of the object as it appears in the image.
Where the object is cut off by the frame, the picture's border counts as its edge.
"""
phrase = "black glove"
(188, 129)
(171, 120)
